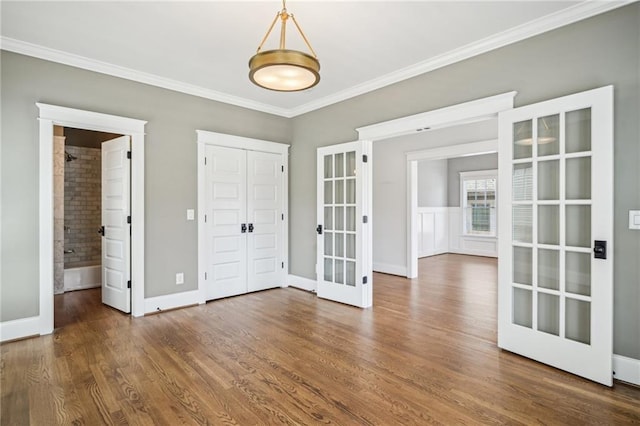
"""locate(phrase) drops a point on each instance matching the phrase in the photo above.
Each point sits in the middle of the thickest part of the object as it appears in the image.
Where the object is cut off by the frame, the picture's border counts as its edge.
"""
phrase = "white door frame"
(440, 153)
(464, 113)
(52, 115)
(205, 137)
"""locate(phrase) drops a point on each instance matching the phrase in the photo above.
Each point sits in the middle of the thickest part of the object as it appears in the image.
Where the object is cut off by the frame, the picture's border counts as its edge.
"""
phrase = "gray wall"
(170, 167)
(432, 183)
(596, 52)
(466, 164)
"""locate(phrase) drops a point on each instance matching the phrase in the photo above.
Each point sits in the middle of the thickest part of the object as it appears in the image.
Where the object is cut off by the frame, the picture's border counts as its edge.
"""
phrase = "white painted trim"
(580, 11)
(463, 113)
(20, 328)
(172, 301)
(453, 151)
(50, 115)
(204, 137)
(302, 283)
(626, 369)
(387, 268)
(474, 252)
(82, 62)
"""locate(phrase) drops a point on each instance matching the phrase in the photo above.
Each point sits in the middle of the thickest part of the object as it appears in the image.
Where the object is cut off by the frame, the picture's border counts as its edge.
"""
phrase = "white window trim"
(479, 174)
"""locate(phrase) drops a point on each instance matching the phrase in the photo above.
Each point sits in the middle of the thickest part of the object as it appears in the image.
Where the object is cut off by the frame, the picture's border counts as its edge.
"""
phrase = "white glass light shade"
(284, 70)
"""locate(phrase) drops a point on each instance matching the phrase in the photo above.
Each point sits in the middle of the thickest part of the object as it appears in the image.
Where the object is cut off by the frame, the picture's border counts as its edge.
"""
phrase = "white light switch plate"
(191, 215)
(634, 219)
(180, 278)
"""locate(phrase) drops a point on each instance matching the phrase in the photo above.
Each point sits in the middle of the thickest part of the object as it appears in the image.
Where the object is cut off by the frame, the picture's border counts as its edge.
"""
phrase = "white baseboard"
(626, 369)
(81, 287)
(302, 283)
(387, 268)
(172, 301)
(19, 329)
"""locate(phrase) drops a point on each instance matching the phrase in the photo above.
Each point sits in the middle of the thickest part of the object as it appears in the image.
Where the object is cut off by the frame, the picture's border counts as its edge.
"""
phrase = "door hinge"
(205, 218)
(129, 284)
(364, 280)
(205, 275)
(129, 155)
(282, 265)
(282, 169)
(365, 158)
(282, 216)
(205, 161)
(365, 219)
(129, 219)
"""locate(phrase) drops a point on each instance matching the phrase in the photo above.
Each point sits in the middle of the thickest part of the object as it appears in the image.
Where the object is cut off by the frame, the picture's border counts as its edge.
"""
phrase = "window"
(478, 191)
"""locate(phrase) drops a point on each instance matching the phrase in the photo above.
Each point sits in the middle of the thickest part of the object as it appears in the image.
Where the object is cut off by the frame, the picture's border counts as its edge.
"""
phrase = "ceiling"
(203, 48)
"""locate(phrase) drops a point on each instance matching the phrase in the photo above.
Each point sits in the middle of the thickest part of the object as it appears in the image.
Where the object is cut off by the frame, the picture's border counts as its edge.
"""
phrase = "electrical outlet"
(180, 278)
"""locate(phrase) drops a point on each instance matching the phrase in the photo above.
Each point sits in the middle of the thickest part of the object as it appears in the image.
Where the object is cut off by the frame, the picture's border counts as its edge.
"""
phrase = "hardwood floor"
(425, 353)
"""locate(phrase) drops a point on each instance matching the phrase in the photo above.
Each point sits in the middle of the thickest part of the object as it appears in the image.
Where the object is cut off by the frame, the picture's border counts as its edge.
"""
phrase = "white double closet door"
(243, 221)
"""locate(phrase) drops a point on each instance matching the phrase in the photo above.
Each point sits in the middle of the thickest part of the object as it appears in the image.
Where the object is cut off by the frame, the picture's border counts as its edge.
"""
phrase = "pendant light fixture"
(282, 69)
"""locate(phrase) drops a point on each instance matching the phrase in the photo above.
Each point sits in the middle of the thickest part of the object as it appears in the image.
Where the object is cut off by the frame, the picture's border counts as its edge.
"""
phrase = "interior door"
(116, 228)
(264, 216)
(555, 273)
(344, 224)
(226, 221)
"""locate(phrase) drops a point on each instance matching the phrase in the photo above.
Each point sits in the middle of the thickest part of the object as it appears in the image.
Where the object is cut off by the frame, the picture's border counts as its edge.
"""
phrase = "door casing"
(52, 115)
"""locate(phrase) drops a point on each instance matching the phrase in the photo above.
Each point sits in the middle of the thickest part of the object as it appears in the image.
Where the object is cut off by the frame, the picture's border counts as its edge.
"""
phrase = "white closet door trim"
(204, 138)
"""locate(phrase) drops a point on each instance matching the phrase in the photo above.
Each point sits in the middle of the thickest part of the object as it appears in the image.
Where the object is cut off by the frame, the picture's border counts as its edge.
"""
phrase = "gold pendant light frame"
(282, 69)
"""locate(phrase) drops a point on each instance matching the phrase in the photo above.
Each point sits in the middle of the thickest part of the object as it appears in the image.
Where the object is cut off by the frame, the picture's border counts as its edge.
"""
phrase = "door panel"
(556, 177)
(344, 259)
(116, 240)
(225, 188)
(264, 201)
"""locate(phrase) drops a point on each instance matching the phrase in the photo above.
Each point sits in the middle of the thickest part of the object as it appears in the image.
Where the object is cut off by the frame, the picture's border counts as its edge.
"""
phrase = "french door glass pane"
(351, 273)
(579, 226)
(339, 271)
(339, 165)
(578, 185)
(328, 243)
(328, 269)
(578, 130)
(522, 182)
(328, 218)
(522, 307)
(522, 222)
(578, 320)
(328, 192)
(522, 265)
(351, 163)
(351, 218)
(328, 166)
(549, 180)
(549, 225)
(549, 269)
(549, 313)
(578, 273)
(339, 244)
(351, 246)
(522, 139)
(339, 198)
(351, 191)
(549, 135)
(339, 218)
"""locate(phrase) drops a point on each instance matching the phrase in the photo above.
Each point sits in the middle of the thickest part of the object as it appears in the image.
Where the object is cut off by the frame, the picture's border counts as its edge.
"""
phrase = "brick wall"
(82, 207)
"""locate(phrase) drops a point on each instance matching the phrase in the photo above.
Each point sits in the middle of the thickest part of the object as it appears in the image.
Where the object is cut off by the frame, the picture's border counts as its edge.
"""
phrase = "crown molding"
(580, 11)
(570, 15)
(53, 55)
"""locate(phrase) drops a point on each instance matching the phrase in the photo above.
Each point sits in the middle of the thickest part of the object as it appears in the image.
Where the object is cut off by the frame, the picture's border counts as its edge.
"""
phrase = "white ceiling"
(203, 48)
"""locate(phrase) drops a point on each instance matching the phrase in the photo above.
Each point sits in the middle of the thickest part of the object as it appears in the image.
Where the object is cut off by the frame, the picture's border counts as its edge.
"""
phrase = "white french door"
(244, 221)
(116, 234)
(344, 223)
(555, 297)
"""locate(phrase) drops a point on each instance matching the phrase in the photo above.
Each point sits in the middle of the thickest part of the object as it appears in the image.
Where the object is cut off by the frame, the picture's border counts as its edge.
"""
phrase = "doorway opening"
(50, 116)
(78, 195)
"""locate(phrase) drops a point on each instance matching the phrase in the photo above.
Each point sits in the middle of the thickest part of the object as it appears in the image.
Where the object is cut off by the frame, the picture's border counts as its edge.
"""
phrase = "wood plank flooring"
(424, 354)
